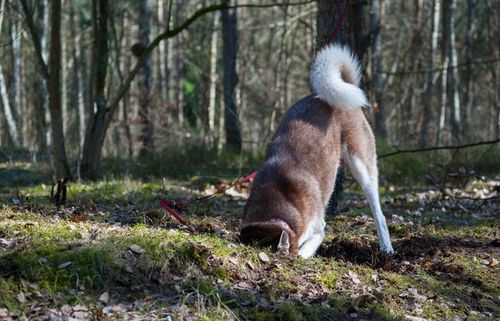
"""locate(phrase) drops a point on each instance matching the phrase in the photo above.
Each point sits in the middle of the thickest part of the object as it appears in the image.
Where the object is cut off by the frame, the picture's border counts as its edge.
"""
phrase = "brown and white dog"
(287, 202)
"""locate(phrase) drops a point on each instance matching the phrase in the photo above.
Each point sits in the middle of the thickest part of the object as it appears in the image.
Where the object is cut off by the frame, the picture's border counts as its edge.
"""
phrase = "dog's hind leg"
(364, 170)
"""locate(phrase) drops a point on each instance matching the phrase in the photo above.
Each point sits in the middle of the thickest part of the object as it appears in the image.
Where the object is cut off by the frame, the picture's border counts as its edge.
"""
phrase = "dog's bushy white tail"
(335, 77)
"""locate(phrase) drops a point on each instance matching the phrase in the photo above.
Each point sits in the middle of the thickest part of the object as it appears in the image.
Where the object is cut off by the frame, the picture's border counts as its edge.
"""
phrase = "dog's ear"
(284, 243)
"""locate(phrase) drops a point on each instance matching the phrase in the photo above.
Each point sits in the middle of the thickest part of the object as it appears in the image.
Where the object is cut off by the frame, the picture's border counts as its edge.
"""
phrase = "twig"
(429, 149)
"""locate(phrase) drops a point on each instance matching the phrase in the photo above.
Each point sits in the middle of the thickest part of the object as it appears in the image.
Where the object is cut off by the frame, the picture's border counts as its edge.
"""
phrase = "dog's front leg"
(312, 238)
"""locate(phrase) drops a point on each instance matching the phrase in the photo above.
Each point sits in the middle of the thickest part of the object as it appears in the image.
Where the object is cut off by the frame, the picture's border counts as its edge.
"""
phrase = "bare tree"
(59, 160)
(429, 91)
(6, 99)
(145, 79)
(97, 123)
(230, 52)
(453, 81)
(377, 80)
(212, 90)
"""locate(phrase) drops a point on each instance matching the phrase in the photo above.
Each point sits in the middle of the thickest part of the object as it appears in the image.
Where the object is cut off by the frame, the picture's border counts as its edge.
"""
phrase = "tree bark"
(212, 90)
(10, 119)
(39, 82)
(97, 123)
(145, 80)
(6, 99)
(59, 160)
(468, 92)
(453, 81)
(230, 52)
(429, 91)
(376, 22)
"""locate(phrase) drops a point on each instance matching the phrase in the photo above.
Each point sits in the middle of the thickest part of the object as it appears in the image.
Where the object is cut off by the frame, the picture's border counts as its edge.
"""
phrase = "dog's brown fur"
(310, 139)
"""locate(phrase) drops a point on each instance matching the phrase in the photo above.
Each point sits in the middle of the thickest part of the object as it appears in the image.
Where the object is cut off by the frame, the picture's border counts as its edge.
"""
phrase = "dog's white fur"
(335, 76)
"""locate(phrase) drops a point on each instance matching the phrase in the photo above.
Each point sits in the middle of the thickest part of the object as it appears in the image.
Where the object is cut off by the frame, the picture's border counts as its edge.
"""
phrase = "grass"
(104, 240)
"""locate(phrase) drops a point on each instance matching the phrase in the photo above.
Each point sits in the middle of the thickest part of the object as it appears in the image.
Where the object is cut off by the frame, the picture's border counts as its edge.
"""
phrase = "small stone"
(264, 257)
(136, 249)
(484, 262)
(104, 298)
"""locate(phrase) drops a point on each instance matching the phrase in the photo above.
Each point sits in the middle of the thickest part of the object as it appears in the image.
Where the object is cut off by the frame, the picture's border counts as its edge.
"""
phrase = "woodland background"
(82, 80)
(153, 115)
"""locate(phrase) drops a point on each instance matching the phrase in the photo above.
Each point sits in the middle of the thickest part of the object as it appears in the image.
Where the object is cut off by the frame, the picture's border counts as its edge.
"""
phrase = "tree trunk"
(6, 99)
(429, 91)
(376, 22)
(16, 87)
(59, 160)
(212, 90)
(468, 91)
(230, 51)
(331, 22)
(77, 97)
(127, 62)
(453, 81)
(146, 140)
(39, 84)
(10, 119)
(97, 124)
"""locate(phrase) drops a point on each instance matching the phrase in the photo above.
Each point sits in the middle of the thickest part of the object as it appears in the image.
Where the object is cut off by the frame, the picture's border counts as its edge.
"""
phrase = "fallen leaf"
(493, 262)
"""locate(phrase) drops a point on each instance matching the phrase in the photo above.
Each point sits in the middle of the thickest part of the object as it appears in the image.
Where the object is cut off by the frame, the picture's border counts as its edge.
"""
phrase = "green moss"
(328, 278)
(59, 268)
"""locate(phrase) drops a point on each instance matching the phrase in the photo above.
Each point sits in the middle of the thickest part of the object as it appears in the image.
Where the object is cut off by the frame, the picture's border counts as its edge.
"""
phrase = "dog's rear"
(291, 191)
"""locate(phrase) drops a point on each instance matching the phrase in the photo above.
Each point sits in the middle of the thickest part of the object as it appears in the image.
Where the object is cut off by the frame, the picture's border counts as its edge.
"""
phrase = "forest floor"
(111, 253)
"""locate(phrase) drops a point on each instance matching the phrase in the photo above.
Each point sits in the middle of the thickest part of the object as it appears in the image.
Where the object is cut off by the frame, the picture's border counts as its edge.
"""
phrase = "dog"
(287, 201)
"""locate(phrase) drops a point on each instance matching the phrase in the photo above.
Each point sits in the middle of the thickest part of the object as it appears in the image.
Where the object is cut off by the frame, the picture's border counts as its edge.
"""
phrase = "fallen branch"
(430, 149)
